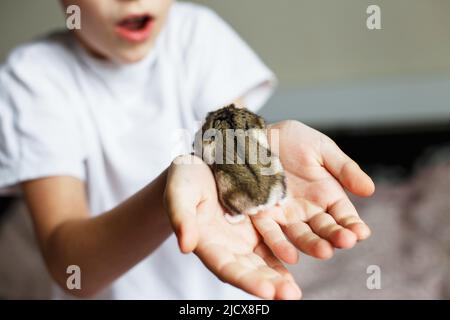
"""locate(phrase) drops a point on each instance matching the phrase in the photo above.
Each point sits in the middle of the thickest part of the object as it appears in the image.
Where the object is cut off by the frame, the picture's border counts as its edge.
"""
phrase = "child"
(86, 137)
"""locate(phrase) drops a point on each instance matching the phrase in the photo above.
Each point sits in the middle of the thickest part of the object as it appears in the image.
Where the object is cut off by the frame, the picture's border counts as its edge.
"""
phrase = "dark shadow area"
(5, 203)
(396, 148)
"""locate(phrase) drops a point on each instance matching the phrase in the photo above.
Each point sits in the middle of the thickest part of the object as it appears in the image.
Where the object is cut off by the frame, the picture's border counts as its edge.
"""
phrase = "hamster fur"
(232, 142)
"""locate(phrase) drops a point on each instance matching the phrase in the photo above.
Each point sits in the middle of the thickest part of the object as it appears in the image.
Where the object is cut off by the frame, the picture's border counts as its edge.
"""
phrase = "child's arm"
(104, 247)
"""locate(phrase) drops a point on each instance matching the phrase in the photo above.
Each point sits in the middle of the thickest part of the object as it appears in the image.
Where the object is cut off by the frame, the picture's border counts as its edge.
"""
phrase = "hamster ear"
(261, 122)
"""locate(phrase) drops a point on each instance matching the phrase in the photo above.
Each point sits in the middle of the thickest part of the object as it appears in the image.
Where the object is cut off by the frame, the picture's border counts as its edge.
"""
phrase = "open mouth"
(138, 22)
(135, 28)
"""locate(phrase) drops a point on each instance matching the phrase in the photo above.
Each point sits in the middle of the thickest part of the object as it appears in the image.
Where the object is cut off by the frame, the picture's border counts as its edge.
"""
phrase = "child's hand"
(318, 215)
(234, 253)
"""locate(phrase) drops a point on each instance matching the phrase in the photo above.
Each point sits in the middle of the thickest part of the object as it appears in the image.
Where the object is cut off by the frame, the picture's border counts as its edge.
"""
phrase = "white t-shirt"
(62, 112)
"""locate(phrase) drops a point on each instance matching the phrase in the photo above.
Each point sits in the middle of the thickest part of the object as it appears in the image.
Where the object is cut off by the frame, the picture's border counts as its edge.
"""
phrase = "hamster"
(249, 177)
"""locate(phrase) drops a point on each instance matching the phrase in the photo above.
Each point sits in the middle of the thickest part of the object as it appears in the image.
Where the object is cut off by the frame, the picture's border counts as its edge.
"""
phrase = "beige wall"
(304, 41)
(21, 20)
(310, 41)
(332, 70)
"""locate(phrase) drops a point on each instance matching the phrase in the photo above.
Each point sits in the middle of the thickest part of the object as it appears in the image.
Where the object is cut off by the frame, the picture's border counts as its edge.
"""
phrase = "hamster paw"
(262, 207)
(282, 202)
(234, 219)
(253, 211)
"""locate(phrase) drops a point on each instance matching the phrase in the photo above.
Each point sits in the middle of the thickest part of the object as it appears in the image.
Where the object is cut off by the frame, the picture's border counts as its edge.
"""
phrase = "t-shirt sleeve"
(38, 130)
(225, 68)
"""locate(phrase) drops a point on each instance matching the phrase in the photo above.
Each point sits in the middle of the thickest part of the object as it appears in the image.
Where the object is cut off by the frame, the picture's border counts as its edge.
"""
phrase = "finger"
(343, 168)
(265, 257)
(344, 212)
(248, 279)
(227, 268)
(185, 226)
(286, 287)
(274, 238)
(326, 227)
(307, 241)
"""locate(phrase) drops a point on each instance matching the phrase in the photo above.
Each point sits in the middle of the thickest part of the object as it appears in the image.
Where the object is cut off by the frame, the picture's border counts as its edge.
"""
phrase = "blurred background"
(383, 95)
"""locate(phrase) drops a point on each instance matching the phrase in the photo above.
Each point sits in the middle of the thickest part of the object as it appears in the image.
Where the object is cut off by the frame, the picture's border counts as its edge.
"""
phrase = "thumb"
(343, 168)
(183, 217)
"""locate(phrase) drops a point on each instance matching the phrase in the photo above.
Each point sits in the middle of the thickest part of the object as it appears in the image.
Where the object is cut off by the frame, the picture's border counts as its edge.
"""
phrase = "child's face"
(120, 30)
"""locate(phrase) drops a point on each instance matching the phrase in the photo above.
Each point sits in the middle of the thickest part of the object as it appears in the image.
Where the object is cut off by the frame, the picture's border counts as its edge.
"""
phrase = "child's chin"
(133, 55)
